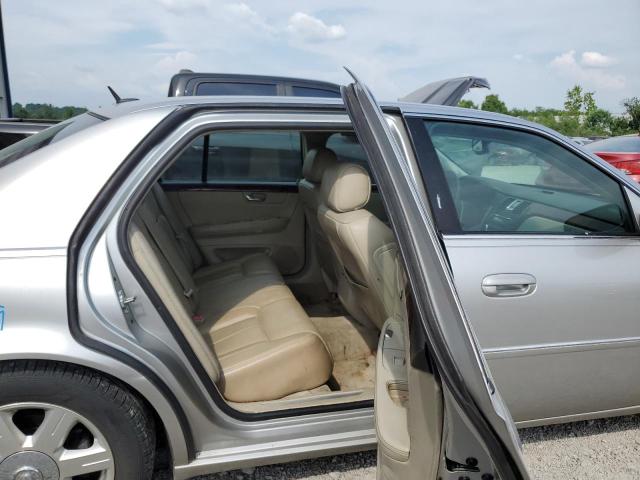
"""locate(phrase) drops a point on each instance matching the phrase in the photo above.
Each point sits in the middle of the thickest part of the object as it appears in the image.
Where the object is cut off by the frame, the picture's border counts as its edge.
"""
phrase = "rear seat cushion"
(268, 348)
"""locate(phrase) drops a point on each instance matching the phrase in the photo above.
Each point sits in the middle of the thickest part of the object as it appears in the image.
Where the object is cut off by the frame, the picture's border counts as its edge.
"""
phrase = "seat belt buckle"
(188, 293)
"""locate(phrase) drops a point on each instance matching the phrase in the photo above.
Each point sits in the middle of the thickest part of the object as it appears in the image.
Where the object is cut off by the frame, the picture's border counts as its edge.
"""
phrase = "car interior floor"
(352, 345)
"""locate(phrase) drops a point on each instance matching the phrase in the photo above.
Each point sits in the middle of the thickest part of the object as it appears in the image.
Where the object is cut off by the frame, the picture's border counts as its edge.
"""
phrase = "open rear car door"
(438, 413)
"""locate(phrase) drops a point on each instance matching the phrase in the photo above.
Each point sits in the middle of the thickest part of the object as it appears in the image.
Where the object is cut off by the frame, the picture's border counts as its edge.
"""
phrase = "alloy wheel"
(41, 441)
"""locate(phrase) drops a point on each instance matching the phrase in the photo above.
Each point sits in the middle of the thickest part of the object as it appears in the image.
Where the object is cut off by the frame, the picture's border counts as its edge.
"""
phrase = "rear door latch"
(125, 301)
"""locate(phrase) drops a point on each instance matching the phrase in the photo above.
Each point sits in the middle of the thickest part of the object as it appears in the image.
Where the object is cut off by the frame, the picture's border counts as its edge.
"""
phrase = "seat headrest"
(316, 162)
(345, 187)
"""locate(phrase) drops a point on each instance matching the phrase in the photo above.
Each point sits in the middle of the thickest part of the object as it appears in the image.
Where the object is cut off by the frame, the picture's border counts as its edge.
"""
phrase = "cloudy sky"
(67, 51)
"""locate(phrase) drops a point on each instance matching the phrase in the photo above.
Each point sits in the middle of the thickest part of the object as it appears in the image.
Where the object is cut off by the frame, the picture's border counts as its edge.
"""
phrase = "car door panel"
(227, 224)
(546, 347)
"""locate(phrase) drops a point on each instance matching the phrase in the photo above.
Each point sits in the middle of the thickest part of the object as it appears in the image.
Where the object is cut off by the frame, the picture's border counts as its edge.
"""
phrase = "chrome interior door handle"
(508, 285)
(255, 196)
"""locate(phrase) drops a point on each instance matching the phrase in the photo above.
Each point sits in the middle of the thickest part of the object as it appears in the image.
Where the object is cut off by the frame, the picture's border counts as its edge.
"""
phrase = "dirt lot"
(597, 449)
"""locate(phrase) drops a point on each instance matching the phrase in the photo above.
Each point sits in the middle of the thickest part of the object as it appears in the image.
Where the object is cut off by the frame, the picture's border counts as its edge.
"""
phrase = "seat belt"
(181, 274)
(179, 231)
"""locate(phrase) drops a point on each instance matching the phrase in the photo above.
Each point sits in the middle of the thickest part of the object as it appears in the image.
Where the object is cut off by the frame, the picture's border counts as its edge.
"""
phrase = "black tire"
(120, 416)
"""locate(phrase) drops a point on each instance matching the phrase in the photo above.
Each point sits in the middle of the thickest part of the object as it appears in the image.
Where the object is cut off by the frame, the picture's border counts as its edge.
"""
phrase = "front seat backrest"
(316, 162)
(358, 239)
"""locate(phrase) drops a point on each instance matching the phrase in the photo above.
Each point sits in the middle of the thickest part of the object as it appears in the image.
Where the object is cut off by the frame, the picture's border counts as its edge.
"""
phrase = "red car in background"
(622, 152)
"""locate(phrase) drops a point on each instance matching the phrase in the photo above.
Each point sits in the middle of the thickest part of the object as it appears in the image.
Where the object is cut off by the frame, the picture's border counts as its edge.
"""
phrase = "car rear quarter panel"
(35, 327)
(44, 195)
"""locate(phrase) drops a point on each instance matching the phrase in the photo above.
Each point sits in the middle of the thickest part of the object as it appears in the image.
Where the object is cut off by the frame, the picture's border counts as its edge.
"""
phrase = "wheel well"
(165, 460)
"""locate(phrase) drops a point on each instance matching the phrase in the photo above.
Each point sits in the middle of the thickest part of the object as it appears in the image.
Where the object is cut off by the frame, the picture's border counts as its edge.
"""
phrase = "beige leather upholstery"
(364, 246)
(346, 187)
(315, 164)
(157, 270)
(244, 324)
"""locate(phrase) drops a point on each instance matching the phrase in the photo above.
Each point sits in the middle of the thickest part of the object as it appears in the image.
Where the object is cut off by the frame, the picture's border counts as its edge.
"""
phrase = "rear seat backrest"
(189, 248)
(162, 234)
(168, 288)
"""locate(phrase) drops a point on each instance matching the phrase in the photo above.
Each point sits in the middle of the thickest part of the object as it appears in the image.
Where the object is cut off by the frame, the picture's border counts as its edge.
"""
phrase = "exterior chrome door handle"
(255, 196)
(508, 285)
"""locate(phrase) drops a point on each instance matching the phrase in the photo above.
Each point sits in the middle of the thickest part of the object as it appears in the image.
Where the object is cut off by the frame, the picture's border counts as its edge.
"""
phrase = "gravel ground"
(595, 449)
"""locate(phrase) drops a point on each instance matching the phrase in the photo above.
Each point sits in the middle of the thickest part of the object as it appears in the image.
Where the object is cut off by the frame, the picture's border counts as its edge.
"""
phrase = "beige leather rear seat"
(245, 325)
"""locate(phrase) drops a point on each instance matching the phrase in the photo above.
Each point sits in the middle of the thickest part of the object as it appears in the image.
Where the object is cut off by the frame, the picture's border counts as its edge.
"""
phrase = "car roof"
(238, 101)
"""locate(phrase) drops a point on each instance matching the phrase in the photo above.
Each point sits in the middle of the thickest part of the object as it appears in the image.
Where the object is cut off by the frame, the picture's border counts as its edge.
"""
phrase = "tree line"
(580, 117)
(45, 111)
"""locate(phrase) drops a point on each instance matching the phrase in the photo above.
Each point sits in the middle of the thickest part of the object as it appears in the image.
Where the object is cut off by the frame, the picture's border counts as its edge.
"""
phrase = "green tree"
(599, 121)
(492, 103)
(632, 109)
(467, 104)
(620, 126)
(45, 111)
(574, 101)
(589, 103)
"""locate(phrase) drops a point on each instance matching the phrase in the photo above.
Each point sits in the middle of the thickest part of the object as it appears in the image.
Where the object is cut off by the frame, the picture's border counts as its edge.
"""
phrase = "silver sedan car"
(235, 280)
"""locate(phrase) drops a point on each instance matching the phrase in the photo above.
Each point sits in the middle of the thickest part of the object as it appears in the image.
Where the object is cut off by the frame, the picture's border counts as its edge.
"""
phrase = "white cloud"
(567, 65)
(173, 63)
(184, 7)
(312, 28)
(249, 16)
(596, 59)
(518, 57)
(565, 61)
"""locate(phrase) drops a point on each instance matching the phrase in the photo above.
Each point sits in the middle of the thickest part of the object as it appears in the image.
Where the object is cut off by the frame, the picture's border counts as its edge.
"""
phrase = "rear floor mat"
(353, 348)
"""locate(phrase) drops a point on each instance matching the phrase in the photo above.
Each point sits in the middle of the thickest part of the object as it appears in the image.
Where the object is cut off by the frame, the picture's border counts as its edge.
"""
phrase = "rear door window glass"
(254, 157)
(348, 149)
(240, 157)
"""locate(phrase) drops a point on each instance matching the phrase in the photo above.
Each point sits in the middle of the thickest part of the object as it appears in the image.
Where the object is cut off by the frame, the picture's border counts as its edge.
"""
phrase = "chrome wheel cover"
(41, 441)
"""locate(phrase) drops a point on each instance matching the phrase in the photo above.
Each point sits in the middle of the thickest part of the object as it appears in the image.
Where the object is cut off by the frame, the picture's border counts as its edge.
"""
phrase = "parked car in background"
(582, 140)
(13, 130)
(622, 152)
(189, 83)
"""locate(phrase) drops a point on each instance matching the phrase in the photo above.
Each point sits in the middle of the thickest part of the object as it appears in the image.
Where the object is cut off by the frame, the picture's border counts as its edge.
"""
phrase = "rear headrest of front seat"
(345, 187)
(316, 162)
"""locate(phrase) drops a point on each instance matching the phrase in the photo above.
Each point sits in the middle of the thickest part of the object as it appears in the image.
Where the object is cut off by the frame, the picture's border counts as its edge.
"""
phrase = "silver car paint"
(46, 183)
